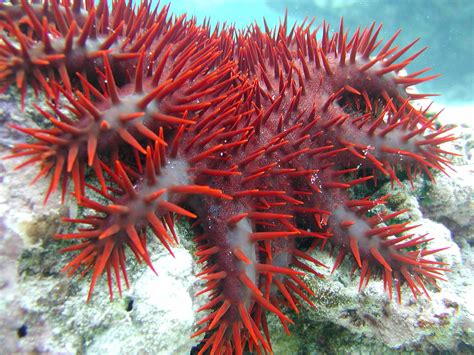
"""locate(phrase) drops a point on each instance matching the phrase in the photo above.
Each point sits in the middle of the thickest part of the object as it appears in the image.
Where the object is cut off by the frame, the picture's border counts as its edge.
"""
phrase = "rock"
(161, 311)
(452, 199)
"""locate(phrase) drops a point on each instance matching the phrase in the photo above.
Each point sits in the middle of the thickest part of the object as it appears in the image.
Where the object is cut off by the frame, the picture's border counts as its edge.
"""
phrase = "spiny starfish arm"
(75, 47)
(93, 124)
(140, 201)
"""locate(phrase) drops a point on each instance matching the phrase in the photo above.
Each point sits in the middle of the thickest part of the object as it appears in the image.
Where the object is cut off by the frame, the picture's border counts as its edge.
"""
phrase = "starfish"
(257, 136)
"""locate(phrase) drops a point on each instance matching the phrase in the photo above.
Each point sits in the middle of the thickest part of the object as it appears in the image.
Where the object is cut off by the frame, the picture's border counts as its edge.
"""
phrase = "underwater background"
(445, 26)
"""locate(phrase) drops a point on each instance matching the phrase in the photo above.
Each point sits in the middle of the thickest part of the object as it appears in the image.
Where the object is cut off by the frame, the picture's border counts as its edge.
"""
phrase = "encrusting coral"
(256, 135)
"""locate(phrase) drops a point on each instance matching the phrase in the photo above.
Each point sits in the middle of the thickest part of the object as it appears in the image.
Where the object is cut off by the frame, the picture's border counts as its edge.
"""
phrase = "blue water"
(446, 27)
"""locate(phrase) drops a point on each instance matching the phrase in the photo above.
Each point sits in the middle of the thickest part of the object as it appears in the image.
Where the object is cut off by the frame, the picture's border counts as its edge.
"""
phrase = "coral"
(257, 136)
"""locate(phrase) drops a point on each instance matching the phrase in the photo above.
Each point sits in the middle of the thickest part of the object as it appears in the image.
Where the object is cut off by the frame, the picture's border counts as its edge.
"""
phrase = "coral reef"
(259, 136)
